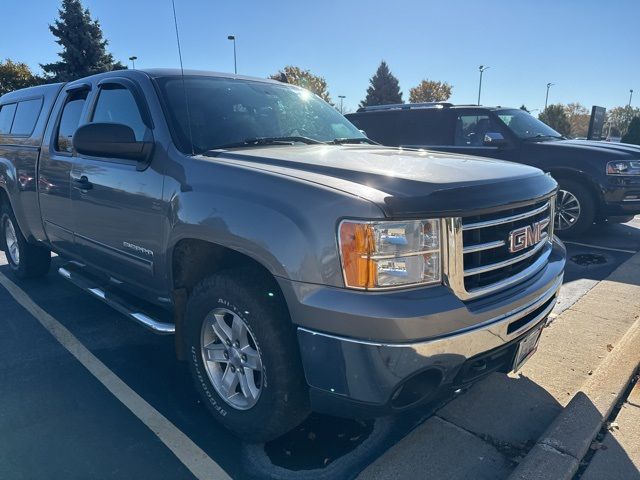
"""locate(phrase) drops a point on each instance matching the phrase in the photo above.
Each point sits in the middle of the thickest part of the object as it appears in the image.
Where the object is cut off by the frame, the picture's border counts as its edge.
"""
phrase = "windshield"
(228, 112)
(525, 125)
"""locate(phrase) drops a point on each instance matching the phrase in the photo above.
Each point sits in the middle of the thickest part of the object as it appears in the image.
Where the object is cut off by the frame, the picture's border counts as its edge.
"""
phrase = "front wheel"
(575, 209)
(244, 357)
(26, 260)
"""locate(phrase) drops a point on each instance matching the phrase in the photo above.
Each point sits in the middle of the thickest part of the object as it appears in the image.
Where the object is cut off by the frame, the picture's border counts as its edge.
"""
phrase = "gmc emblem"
(525, 237)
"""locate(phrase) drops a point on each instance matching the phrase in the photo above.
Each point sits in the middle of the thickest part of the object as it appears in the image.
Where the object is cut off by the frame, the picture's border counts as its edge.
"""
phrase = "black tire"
(31, 260)
(587, 204)
(283, 400)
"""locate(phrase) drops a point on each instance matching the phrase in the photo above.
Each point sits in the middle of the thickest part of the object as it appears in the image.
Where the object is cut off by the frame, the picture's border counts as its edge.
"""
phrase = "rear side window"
(26, 116)
(117, 105)
(7, 113)
(425, 127)
(69, 121)
(383, 127)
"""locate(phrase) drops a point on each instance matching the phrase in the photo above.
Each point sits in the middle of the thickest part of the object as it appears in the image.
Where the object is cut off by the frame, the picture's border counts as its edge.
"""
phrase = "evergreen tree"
(633, 133)
(384, 88)
(83, 47)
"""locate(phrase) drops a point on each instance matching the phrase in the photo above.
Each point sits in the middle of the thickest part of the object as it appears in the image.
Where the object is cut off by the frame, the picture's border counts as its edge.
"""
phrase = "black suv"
(598, 181)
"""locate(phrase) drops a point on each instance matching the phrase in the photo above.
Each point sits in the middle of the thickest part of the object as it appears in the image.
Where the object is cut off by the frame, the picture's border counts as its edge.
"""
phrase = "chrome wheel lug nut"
(233, 369)
(244, 357)
(228, 342)
(236, 344)
(226, 355)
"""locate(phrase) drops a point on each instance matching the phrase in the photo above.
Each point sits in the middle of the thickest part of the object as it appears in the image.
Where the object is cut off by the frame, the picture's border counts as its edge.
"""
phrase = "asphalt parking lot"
(59, 420)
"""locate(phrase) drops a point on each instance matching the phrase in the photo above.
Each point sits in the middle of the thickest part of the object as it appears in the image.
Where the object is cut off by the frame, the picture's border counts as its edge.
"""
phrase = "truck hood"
(607, 151)
(402, 182)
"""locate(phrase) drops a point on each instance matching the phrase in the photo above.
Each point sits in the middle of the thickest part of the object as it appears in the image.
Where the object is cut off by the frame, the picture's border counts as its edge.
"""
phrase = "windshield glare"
(225, 111)
(525, 125)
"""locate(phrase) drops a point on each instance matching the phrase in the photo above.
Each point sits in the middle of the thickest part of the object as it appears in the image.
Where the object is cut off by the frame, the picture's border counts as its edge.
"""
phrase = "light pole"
(133, 62)
(235, 63)
(341, 97)
(630, 96)
(482, 68)
(546, 100)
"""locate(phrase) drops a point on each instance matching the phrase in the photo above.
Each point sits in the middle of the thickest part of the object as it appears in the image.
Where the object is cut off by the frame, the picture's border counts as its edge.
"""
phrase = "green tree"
(16, 75)
(384, 88)
(578, 117)
(556, 118)
(619, 118)
(633, 132)
(430, 91)
(84, 51)
(305, 79)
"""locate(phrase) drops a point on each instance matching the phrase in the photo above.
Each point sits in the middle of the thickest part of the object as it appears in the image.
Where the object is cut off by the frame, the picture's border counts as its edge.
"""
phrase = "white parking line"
(600, 248)
(192, 456)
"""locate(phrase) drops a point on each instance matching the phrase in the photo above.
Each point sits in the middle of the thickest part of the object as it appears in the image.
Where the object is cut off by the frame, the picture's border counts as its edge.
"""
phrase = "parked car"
(299, 265)
(598, 181)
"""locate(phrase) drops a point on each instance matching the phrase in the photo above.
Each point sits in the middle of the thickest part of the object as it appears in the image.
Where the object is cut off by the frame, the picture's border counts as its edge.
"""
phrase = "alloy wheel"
(231, 358)
(568, 210)
(11, 241)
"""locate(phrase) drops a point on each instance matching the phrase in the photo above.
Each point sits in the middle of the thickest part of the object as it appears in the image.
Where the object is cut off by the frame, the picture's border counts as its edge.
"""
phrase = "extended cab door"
(56, 162)
(117, 205)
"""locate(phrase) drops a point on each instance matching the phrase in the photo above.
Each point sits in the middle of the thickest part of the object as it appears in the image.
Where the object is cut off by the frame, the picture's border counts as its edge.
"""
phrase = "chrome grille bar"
(500, 221)
(484, 246)
(510, 261)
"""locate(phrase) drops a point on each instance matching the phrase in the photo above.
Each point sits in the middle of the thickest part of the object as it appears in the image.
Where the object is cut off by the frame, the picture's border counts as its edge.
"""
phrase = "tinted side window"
(383, 127)
(117, 105)
(471, 129)
(69, 121)
(427, 126)
(26, 117)
(6, 117)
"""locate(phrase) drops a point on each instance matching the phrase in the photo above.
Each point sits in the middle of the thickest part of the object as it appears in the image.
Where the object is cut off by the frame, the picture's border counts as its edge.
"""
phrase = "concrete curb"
(558, 452)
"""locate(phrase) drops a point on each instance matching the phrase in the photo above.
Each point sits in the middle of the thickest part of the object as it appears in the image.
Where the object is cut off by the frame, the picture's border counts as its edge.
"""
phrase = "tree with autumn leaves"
(430, 91)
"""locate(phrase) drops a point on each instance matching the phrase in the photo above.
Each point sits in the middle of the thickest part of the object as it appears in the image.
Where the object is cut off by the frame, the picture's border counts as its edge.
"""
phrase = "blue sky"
(588, 48)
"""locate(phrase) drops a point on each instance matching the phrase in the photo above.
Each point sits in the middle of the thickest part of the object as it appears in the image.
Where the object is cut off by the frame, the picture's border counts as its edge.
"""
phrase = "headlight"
(379, 255)
(624, 167)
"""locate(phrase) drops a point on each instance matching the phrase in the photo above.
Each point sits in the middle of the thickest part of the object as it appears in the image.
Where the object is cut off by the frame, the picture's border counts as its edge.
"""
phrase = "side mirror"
(112, 140)
(494, 139)
(363, 132)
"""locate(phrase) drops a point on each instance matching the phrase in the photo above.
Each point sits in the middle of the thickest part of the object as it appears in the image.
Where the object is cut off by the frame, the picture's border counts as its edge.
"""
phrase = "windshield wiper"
(342, 141)
(539, 136)
(260, 141)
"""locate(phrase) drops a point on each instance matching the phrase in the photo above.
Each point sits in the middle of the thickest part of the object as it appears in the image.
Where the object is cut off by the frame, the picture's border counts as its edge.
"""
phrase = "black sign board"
(596, 123)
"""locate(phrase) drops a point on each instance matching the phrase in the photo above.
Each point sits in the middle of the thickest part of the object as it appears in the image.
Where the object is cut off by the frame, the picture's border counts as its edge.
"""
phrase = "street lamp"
(235, 63)
(482, 68)
(133, 62)
(546, 100)
(341, 97)
(630, 96)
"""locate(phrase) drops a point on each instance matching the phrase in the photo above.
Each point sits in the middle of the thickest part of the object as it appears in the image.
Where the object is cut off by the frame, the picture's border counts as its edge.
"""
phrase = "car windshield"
(227, 113)
(526, 126)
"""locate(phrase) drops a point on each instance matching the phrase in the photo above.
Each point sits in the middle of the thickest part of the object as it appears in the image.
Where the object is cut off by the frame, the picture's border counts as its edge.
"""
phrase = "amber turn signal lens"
(356, 246)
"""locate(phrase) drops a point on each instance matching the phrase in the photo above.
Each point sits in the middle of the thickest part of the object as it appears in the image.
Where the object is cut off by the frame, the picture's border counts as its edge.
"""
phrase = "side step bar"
(117, 303)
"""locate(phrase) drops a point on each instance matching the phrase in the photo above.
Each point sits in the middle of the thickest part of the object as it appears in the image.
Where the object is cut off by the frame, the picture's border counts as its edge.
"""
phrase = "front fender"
(287, 225)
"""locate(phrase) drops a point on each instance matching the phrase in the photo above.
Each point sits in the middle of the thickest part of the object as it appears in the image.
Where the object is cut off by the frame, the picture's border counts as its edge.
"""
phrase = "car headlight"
(623, 167)
(378, 255)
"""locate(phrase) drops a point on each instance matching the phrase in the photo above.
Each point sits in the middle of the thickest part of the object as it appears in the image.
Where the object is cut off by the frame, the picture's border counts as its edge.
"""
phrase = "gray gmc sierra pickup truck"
(300, 265)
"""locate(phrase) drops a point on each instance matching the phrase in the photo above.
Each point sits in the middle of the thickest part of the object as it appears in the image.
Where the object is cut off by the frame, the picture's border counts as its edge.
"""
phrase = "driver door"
(118, 210)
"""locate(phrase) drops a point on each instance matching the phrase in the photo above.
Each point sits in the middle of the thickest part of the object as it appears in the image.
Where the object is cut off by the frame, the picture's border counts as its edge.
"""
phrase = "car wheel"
(575, 209)
(26, 260)
(244, 357)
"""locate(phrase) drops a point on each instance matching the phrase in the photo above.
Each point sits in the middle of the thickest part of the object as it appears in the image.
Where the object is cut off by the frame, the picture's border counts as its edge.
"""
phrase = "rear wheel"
(26, 260)
(575, 209)
(244, 356)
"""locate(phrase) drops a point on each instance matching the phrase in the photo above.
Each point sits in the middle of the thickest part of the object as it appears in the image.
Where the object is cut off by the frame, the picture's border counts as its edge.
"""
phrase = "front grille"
(487, 259)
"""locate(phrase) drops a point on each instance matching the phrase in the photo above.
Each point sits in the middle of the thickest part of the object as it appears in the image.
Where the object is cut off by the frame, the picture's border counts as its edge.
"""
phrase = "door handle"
(82, 183)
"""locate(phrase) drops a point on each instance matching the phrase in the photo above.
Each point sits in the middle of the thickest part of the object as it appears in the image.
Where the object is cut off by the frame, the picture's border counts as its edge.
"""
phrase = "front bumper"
(621, 196)
(404, 345)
